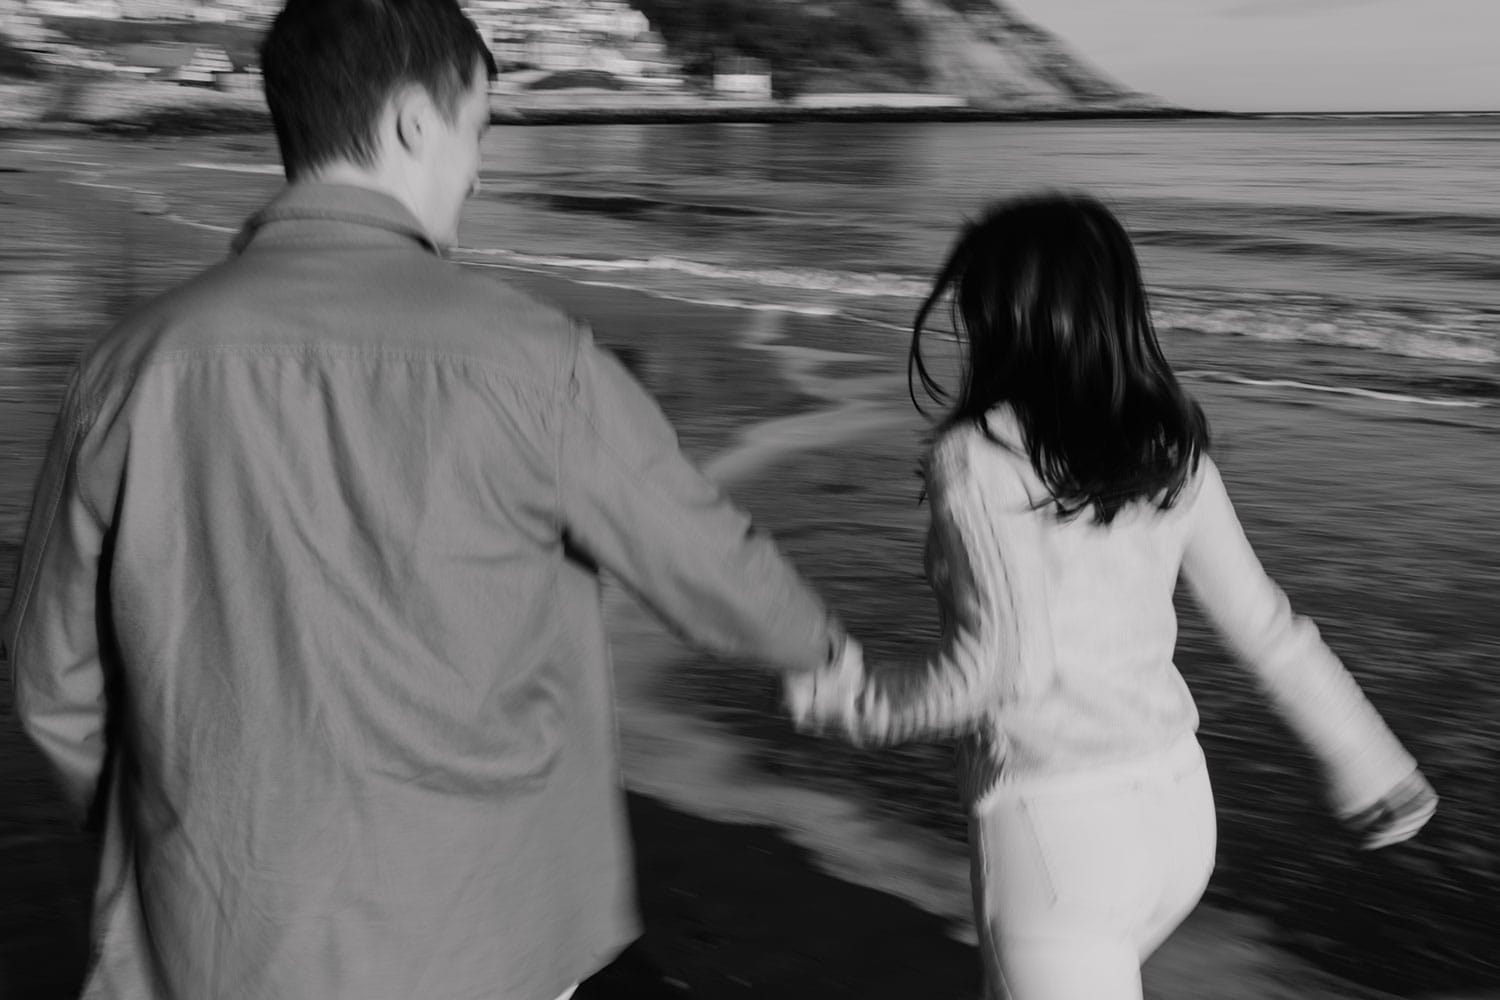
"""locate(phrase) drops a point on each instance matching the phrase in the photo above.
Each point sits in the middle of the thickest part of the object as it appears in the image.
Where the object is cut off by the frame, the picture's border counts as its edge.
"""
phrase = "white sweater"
(1058, 634)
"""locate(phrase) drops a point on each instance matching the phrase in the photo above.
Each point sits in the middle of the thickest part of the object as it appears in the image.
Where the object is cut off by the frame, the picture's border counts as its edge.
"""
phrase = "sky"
(1290, 55)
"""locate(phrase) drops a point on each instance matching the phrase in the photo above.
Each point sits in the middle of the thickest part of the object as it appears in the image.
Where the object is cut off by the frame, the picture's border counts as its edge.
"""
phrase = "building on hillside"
(106, 9)
(742, 77)
(158, 10)
(557, 52)
(207, 65)
(251, 11)
(558, 35)
(879, 100)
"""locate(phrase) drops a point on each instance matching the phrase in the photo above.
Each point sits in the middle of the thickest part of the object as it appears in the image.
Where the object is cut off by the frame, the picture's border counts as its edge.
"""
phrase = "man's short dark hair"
(329, 66)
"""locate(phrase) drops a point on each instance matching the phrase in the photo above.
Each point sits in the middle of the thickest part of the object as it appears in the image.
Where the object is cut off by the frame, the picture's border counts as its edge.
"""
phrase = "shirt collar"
(356, 215)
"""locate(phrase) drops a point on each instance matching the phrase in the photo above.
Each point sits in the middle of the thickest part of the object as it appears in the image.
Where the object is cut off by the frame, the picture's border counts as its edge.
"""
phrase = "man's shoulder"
(150, 326)
(417, 304)
(501, 307)
(483, 315)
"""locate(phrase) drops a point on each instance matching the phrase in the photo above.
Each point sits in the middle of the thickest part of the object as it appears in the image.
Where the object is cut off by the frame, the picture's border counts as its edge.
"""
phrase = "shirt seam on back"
(186, 356)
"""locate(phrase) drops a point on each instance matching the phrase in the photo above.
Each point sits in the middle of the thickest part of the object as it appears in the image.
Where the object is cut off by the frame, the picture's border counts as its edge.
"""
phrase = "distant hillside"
(980, 49)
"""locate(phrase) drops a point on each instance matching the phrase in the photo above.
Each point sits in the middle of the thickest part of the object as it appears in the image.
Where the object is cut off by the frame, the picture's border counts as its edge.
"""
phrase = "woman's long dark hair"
(1048, 302)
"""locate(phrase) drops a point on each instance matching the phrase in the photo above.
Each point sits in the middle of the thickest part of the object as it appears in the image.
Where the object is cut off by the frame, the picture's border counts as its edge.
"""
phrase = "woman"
(1070, 486)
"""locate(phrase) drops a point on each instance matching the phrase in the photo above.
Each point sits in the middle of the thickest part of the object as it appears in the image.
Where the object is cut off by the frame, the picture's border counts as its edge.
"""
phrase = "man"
(309, 611)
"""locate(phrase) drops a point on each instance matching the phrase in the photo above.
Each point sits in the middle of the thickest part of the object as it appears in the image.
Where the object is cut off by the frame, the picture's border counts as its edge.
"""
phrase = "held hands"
(828, 697)
(1397, 817)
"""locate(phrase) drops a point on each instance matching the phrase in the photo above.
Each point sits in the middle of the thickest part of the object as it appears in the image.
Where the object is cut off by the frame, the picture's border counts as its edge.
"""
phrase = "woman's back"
(1092, 603)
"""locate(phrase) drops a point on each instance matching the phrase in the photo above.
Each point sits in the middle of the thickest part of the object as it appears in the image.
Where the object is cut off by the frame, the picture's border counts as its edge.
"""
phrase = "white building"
(742, 78)
(559, 35)
(107, 9)
(158, 10)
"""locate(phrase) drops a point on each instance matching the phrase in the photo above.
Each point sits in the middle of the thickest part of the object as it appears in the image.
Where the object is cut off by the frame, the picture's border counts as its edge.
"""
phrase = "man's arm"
(51, 632)
(632, 502)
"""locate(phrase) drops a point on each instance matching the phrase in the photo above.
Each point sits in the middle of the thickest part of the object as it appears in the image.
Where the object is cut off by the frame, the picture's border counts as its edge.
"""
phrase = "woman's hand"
(818, 699)
(1398, 815)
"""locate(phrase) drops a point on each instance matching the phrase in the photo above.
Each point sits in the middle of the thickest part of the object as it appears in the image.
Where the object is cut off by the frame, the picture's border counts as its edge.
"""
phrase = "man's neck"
(355, 175)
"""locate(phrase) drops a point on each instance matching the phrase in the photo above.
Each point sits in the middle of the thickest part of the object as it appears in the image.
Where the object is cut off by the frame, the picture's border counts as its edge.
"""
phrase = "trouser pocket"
(1094, 850)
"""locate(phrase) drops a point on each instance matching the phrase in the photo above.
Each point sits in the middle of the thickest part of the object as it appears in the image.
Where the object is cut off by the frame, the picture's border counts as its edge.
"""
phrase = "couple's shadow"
(738, 911)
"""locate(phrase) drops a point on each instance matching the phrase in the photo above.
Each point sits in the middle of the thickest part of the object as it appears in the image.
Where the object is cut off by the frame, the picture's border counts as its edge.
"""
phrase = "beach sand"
(753, 881)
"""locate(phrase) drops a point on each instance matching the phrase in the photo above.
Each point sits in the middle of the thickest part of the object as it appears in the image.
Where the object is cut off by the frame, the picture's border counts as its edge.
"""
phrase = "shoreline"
(169, 122)
(114, 108)
(710, 112)
(130, 110)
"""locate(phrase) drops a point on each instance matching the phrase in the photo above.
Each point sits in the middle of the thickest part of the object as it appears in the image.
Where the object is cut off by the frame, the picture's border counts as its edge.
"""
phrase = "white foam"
(274, 169)
(851, 283)
(1455, 334)
(212, 227)
(1338, 390)
(719, 302)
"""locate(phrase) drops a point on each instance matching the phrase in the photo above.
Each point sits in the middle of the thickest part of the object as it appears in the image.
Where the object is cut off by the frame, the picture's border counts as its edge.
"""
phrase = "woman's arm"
(985, 569)
(1305, 681)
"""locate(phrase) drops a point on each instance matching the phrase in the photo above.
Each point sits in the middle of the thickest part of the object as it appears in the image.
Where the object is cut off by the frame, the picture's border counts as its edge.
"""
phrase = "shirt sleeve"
(985, 569)
(51, 631)
(1308, 685)
(632, 501)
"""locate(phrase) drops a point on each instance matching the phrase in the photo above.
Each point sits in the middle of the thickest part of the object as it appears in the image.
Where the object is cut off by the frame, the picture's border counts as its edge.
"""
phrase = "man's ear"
(412, 109)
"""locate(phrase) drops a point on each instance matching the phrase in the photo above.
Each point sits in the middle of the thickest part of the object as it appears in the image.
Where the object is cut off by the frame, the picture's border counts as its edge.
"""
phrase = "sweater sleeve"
(985, 569)
(1305, 681)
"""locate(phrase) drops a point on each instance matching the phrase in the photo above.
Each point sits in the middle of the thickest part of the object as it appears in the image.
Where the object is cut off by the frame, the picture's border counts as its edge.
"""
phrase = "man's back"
(347, 502)
(365, 696)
